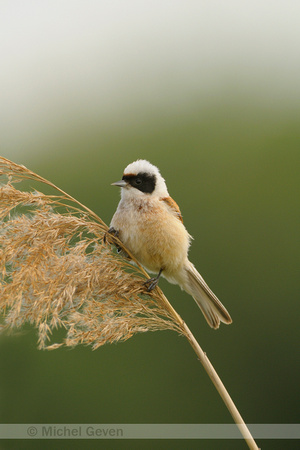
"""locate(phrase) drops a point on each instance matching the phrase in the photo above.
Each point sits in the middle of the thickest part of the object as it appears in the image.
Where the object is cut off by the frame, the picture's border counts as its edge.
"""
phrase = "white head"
(140, 179)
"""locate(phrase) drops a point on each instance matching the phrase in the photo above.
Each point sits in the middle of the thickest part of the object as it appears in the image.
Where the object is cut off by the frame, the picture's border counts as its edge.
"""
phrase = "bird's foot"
(152, 282)
(109, 236)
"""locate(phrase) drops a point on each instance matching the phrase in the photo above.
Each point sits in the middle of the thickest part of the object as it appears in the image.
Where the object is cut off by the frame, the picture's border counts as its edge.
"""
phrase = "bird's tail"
(213, 310)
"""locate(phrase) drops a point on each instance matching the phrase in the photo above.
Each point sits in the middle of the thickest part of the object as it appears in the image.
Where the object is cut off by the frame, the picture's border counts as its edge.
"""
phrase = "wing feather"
(173, 206)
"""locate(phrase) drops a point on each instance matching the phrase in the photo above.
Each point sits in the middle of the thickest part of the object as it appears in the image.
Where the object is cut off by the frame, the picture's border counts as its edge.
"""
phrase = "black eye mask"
(144, 182)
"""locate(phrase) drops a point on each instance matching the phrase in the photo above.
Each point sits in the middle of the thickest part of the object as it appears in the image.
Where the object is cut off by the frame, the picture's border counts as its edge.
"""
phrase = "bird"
(149, 224)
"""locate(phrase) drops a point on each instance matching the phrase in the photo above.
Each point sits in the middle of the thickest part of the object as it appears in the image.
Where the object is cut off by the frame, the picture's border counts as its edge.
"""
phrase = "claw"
(111, 231)
(153, 281)
(115, 234)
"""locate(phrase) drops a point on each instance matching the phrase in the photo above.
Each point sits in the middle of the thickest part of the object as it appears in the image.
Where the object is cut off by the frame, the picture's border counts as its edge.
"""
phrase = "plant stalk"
(221, 389)
(213, 376)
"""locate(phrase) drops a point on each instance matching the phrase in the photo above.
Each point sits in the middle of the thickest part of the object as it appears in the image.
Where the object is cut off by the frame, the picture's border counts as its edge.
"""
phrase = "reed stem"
(213, 376)
(221, 389)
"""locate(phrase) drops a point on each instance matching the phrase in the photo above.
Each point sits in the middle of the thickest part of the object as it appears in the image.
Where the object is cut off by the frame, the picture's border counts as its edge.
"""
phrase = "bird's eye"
(138, 181)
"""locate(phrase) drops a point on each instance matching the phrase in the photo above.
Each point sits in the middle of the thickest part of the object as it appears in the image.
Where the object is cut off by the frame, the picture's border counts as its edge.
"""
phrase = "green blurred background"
(89, 89)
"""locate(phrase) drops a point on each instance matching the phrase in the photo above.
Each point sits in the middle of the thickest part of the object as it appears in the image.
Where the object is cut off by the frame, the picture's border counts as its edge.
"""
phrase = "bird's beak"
(120, 183)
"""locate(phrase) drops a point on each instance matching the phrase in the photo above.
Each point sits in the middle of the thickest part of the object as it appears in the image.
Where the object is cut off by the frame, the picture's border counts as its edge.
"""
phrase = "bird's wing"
(173, 206)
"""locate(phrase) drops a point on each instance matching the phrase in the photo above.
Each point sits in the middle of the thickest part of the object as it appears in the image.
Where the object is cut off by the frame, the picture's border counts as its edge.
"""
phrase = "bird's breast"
(156, 237)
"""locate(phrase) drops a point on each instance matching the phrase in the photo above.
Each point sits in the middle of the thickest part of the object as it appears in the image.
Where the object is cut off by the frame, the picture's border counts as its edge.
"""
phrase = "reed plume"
(58, 269)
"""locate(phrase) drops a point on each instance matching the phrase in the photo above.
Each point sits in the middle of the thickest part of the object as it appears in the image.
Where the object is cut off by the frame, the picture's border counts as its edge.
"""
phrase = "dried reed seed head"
(56, 271)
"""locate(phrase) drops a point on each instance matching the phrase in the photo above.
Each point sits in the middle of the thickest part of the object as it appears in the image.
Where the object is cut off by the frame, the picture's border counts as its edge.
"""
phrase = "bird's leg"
(153, 281)
(114, 233)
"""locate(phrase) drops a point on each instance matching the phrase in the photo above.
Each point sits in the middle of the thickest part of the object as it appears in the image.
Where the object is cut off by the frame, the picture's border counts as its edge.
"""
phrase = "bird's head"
(142, 178)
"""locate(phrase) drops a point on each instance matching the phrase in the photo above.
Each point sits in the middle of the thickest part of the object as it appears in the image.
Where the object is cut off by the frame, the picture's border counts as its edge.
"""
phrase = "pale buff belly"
(155, 237)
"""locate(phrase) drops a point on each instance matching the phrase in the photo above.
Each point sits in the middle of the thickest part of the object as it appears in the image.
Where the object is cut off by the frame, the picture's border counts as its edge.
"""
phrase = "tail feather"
(211, 307)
